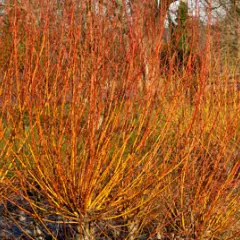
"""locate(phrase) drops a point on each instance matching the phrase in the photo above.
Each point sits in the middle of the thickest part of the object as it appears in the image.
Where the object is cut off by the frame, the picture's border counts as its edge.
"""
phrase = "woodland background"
(114, 125)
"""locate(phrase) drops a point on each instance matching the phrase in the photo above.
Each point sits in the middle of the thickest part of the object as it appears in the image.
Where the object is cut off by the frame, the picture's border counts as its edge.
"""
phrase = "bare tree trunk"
(133, 227)
(236, 10)
(85, 231)
(238, 28)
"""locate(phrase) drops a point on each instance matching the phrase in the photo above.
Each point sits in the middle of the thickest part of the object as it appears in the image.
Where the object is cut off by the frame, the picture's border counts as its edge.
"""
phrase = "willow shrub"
(98, 140)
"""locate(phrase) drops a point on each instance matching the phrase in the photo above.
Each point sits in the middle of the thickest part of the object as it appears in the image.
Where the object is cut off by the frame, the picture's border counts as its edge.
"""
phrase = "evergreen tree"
(178, 37)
